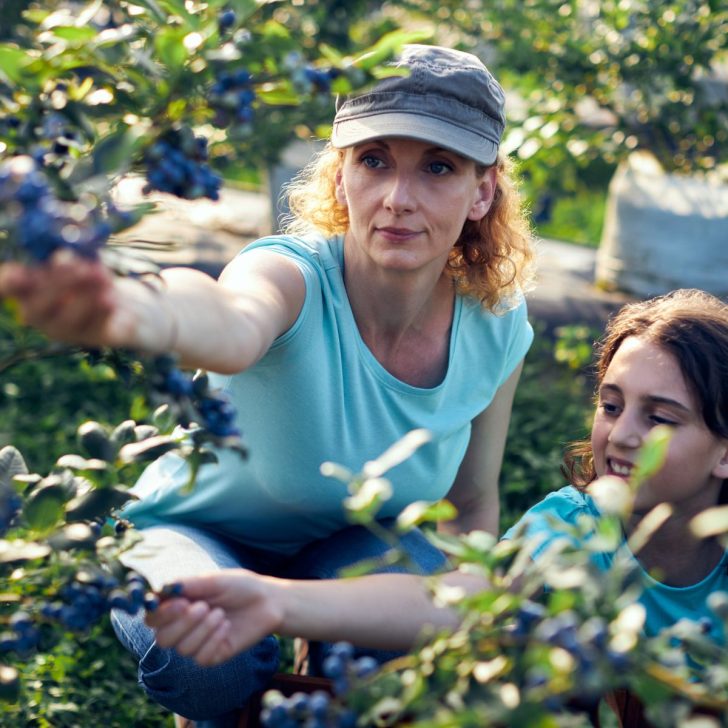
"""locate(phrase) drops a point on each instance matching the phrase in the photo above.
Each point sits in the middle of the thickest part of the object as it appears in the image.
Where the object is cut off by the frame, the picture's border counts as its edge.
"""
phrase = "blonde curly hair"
(492, 260)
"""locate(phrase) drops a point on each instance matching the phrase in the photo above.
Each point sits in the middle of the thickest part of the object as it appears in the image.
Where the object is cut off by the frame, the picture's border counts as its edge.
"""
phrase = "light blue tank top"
(320, 395)
(664, 604)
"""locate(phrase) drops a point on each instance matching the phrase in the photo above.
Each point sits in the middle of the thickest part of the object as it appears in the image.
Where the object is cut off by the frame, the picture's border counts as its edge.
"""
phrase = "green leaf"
(274, 30)
(81, 464)
(652, 454)
(711, 522)
(94, 439)
(11, 464)
(242, 8)
(45, 507)
(13, 552)
(12, 63)
(176, 7)
(75, 35)
(280, 93)
(73, 536)
(154, 9)
(114, 153)
(424, 512)
(170, 48)
(362, 505)
(96, 504)
(149, 449)
(389, 45)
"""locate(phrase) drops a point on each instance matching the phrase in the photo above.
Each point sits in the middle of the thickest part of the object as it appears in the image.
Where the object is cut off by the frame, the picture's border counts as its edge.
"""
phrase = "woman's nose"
(400, 196)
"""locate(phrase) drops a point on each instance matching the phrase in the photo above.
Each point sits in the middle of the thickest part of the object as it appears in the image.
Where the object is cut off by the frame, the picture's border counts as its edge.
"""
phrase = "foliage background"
(42, 401)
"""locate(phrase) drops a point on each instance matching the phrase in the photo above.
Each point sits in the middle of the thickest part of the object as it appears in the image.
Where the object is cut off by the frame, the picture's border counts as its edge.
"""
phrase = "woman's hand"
(217, 615)
(70, 299)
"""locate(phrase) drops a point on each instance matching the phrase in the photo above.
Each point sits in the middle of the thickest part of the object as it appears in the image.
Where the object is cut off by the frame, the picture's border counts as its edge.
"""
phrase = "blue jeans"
(211, 696)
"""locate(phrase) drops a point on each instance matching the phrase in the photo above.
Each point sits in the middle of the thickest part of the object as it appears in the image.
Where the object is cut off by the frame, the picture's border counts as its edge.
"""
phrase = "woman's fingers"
(216, 648)
(200, 630)
(68, 298)
(184, 619)
(192, 629)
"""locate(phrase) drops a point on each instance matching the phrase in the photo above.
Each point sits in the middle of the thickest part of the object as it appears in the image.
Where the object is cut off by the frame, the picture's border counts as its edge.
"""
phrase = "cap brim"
(348, 132)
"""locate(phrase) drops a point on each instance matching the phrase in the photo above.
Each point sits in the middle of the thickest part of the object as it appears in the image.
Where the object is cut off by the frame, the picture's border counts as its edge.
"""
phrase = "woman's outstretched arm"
(222, 614)
(224, 326)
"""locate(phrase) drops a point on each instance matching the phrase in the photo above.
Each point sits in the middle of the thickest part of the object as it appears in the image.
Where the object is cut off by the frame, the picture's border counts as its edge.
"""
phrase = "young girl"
(661, 362)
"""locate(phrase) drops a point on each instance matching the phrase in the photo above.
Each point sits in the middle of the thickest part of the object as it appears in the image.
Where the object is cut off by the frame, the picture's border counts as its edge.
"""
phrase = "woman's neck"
(405, 320)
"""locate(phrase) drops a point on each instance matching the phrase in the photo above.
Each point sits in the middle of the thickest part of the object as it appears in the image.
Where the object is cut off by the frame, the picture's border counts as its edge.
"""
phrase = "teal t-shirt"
(320, 395)
(664, 605)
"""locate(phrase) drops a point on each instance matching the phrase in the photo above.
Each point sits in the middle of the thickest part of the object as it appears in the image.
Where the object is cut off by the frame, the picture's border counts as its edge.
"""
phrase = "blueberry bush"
(186, 94)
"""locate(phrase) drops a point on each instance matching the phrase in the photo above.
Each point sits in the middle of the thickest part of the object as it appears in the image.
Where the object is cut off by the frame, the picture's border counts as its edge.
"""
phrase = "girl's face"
(408, 201)
(644, 387)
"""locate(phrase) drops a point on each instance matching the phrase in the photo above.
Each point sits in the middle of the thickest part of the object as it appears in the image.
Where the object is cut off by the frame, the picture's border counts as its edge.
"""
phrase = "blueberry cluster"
(588, 644)
(211, 408)
(22, 635)
(80, 603)
(319, 709)
(307, 78)
(231, 97)
(85, 599)
(60, 136)
(37, 223)
(342, 667)
(312, 710)
(177, 164)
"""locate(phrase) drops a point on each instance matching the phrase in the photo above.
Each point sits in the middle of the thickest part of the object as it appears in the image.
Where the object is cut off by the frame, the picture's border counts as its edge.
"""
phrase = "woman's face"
(408, 201)
(644, 387)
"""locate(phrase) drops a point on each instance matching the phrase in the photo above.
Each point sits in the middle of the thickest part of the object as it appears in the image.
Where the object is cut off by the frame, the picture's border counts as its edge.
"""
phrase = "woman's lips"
(394, 233)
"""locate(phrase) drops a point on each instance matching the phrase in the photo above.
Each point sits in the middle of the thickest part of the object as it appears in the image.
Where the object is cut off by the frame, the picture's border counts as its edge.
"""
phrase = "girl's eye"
(657, 420)
(439, 168)
(609, 408)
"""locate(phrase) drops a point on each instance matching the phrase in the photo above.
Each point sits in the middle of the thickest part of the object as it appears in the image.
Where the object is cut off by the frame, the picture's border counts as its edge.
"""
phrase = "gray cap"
(448, 98)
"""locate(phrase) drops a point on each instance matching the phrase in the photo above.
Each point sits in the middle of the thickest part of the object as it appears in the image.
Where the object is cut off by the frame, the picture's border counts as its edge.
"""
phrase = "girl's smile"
(644, 387)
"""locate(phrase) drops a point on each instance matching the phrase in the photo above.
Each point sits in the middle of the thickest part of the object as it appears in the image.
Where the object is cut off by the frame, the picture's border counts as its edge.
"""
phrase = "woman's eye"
(439, 168)
(369, 160)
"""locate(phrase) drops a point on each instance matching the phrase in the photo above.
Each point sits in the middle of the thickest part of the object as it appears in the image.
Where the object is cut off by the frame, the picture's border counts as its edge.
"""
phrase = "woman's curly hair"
(492, 259)
(690, 324)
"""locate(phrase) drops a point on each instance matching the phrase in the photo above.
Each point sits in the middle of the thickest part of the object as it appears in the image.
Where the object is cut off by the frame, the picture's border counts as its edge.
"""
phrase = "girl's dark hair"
(693, 326)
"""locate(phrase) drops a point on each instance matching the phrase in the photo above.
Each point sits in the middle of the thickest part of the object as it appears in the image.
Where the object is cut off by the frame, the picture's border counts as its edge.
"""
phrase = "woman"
(662, 362)
(395, 303)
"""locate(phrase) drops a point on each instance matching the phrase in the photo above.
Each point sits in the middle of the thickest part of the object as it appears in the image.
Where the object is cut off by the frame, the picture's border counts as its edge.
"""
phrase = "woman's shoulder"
(313, 246)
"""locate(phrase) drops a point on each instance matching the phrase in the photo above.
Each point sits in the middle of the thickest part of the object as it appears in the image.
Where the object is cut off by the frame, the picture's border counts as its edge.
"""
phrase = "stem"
(53, 349)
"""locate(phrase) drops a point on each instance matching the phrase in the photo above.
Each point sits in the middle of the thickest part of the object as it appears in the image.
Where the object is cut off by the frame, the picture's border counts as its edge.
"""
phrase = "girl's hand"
(217, 615)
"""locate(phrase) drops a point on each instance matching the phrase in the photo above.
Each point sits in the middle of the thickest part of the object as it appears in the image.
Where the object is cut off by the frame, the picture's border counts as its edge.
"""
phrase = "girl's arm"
(475, 491)
(224, 326)
(222, 614)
